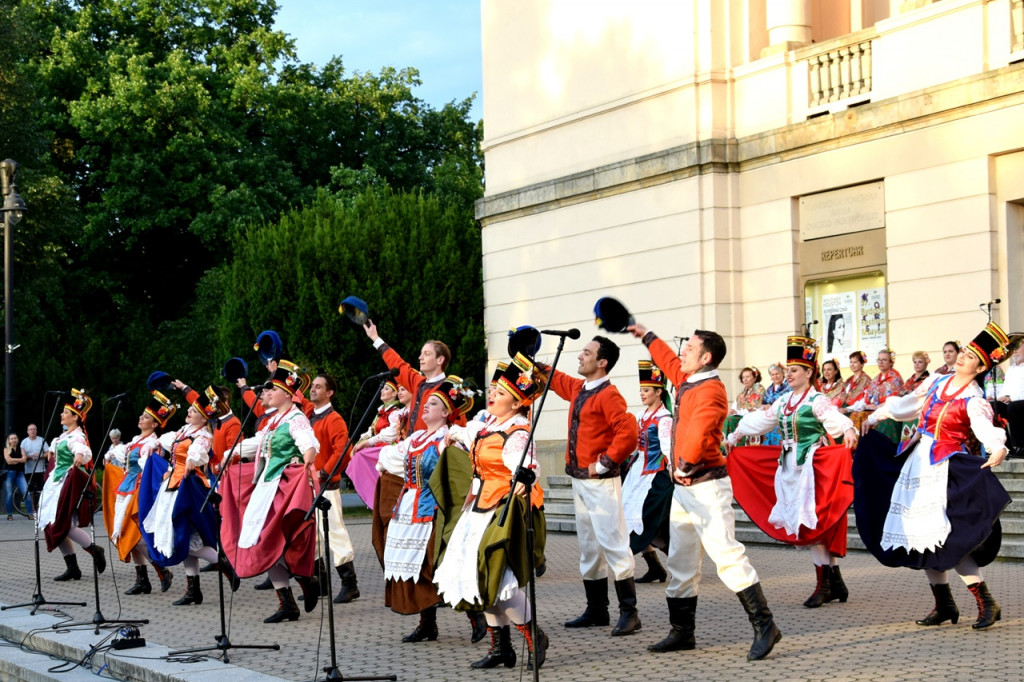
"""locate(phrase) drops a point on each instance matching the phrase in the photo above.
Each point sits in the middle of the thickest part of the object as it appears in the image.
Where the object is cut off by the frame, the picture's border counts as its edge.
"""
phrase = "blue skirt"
(974, 500)
(657, 506)
(185, 515)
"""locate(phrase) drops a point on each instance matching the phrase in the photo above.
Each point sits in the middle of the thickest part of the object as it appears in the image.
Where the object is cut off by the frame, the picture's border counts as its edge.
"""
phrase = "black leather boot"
(823, 590)
(538, 649)
(310, 592)
(193, 593)
(837, 588)
(596, 612)
(208, 568)
(287, 609)
(479, 625)
(72, 572)
(655, 571)
(142, 584)
(500, 651)
(988, 610)
(945, 607)
(166, 577)
(682, 612)
(427, 629)
(766, 634)
(629, 619)
(99, 557)
(225, 567)
(349, 587)
(265, 585)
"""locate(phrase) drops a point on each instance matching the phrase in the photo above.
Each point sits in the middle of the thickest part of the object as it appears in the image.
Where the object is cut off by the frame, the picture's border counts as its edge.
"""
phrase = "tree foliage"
(155, 136)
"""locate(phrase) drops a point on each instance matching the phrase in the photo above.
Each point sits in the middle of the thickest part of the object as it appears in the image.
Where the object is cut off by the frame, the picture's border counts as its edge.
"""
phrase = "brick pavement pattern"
(872, 637)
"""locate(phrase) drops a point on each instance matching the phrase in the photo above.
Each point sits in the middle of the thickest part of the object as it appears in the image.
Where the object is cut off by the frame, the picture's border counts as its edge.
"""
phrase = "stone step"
(560, 494)
(560, 481)
(558, 509)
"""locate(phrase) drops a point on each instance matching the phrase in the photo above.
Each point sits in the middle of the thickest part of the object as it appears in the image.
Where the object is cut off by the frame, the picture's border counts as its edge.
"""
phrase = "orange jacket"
(700, 411)
(600, 428)
(331, 431)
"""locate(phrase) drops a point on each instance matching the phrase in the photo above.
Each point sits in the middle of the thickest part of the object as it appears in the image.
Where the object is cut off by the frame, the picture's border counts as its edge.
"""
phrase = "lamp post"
(13, 209)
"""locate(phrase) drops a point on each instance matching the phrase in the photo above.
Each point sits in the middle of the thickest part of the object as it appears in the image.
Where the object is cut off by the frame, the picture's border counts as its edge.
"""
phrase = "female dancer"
(810, 498)
(647, 490)
(409, 550)
(121, 478)
(921, 361)
(263, 527)
(362, 469)
(390, 468)
(935, 504)
(472, 575)
(61, 516)
(172, 495)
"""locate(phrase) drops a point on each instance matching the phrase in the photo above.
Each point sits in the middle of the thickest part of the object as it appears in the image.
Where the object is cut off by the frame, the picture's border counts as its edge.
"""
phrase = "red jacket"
(330, 429)
(224, 433)
(600, 428)
(700, 411)
(413, 381)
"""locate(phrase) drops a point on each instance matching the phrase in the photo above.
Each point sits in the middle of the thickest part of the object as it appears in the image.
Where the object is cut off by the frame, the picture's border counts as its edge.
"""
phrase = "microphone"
(991, 303)
(55, 392)
(383, 375)
(569, 334)
(119, 396)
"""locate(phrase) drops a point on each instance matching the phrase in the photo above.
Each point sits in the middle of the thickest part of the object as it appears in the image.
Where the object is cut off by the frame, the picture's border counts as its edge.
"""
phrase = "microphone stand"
(98, 619)
(324, 505)
(214, 498)
(38, 599)
(528, 478)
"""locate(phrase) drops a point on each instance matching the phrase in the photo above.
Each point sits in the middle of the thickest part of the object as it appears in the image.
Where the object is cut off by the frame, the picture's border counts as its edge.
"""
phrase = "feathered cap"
(650, 374)
(210, 405)
(160, 408)
(79, 403)
(522, 380)
(455, 395)
(801, 351)
(291, 377)
(990, 345)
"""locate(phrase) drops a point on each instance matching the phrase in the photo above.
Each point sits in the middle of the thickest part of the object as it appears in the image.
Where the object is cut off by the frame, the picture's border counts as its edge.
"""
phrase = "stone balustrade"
(839, 73)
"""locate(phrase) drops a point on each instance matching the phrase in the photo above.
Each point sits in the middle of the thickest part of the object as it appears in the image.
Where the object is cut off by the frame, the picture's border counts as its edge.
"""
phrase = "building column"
(789, 25)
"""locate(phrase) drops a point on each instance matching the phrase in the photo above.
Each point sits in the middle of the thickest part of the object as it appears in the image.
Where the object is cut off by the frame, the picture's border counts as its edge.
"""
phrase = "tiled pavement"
(872, 637)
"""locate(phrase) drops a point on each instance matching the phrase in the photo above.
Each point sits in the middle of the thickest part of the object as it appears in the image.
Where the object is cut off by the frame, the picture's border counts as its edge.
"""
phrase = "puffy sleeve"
(199, 450)
(665, 431)
(991, 436)
(302, 433)
(757, 422)
(79, 447)
(835, 422)
(906, 407)
(466, 435)
(513, 450)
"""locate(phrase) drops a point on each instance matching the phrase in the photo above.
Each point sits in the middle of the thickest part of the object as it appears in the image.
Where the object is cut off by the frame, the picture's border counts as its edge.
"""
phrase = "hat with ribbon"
(522, 380)
(650, 374)
(78, 402)
(160, 408)
(990, 345)
(801, 351)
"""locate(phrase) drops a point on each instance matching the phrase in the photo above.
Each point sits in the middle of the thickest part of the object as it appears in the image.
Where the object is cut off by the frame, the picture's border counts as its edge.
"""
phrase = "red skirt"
(285, 532)
(752, 470)
(74, 483)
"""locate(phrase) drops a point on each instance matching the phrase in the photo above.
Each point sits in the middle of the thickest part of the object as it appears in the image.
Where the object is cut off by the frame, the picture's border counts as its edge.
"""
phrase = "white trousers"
(701, 521)
(341, 544)
(601, 529)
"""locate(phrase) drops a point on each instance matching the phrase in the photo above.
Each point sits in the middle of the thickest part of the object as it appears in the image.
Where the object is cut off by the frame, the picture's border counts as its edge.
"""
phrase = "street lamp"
(13, 210)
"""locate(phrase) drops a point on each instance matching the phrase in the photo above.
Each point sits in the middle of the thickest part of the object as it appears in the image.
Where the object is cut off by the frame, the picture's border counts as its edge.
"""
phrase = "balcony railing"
(838, 74)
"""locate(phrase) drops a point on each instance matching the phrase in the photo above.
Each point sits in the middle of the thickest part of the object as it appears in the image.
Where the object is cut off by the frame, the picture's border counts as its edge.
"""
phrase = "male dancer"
(332, 433)
(435, 357)
(602, 434)
(702, 515)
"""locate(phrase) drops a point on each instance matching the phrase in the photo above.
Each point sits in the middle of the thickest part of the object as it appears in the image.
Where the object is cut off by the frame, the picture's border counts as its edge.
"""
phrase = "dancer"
(409, 550)
(59, 517)
(702, 519)
(811, 492)
(602, 435)
(935, 504)
(485, 566)
(362, 470)
(176, 527)
(121, 478)
(331, 432)
(226, 426)
(265, 502)
(855, 387)
(647, 490)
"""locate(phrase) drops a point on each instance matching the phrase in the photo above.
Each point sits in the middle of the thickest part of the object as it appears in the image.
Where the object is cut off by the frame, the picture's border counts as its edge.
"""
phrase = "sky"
(441, 38)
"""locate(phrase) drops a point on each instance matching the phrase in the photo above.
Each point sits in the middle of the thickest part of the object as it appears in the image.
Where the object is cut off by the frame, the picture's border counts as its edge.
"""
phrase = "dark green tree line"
(158, 139)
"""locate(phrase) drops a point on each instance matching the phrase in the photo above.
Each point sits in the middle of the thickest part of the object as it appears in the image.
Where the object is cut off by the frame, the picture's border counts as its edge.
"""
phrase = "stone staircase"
(558, 507)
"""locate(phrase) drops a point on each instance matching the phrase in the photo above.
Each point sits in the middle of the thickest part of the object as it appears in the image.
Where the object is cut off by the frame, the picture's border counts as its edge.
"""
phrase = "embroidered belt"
(705, 475)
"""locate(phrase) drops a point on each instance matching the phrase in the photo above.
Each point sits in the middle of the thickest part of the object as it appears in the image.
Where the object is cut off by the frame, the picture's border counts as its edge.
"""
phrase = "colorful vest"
(801, 428)
(179, 454)
(650, 444)
(280, 447)
(945, 421)
(131, 476)
(489, 468)
(419, 465)
(64, 459)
